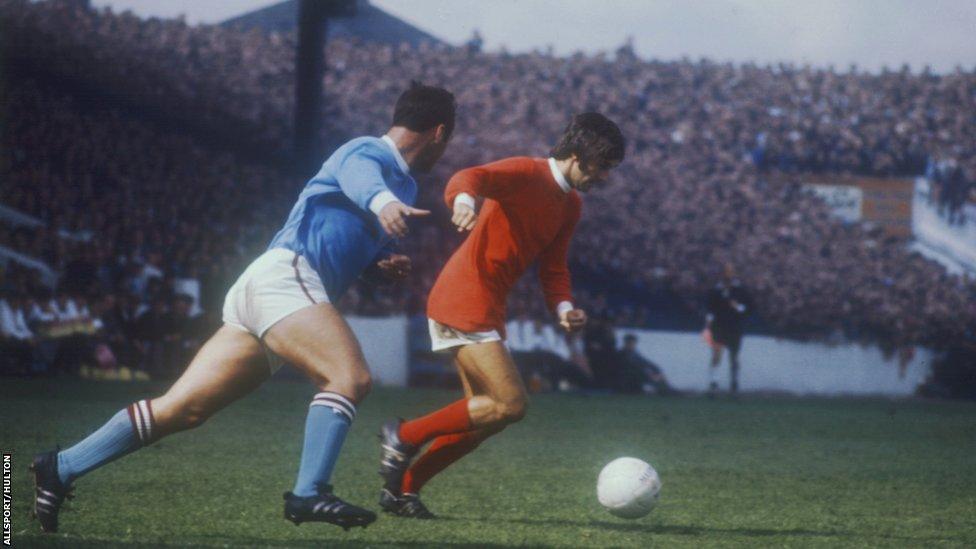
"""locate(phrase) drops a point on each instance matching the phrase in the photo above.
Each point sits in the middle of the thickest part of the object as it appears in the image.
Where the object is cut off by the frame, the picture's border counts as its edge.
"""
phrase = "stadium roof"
(370, 23)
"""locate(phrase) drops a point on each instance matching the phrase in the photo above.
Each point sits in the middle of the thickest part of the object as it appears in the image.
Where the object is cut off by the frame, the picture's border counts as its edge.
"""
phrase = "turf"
(752, 472)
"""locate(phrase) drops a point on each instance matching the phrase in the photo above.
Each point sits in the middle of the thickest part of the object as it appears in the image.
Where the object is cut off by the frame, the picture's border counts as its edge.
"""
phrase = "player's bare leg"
(502, 399)
(495, 396)
(396, 456)
(471, 390)
(229, 365)
(443, 451)
(319, 342)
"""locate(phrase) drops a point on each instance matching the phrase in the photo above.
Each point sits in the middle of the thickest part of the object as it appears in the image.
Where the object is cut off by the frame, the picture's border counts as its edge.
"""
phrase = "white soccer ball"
(628, 487)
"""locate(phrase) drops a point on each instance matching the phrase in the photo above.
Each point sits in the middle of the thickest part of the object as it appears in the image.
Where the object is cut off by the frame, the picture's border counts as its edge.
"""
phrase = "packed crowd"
(710, 176)
(195, 74)
(712, 173)
(121, 226)
(96, 334)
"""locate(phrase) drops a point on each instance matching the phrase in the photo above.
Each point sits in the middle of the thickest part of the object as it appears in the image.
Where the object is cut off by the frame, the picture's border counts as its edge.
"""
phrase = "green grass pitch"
(748, 473)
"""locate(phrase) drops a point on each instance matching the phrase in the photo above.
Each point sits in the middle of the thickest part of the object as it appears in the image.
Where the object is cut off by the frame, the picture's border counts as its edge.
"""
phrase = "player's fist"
(573, 320)
(396, 267)
(464, 216)
(393, 217)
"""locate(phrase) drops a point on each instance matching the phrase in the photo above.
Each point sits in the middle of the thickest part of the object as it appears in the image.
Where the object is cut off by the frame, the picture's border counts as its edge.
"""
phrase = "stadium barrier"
(17, 218)
(954, 246)
(786, 366)
(384, 343)
(48, 276)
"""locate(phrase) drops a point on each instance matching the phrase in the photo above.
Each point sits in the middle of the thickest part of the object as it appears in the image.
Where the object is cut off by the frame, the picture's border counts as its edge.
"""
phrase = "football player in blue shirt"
(280, 310)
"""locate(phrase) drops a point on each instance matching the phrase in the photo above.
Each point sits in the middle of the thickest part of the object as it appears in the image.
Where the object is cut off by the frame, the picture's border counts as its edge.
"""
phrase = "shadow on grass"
(222, 540)
(228, 541)
(690, 530)
(347, 544)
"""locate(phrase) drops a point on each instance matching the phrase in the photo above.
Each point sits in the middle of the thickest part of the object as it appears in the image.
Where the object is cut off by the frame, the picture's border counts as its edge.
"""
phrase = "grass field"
(753, 472)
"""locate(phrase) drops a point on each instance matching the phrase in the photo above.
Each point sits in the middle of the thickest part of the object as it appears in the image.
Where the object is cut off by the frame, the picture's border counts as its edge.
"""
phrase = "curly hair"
(595, 140)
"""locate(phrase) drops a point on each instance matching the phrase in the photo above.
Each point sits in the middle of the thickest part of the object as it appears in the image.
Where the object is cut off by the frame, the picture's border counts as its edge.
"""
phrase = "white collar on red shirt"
(558, 175)
(396, 152)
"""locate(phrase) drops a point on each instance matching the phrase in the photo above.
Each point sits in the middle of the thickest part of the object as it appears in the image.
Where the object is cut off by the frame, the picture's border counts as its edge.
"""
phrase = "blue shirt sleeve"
(360, 177)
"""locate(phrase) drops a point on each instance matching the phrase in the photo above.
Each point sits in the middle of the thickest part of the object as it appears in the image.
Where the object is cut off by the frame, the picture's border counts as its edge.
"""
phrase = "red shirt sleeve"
(554, 260)
(497, 180)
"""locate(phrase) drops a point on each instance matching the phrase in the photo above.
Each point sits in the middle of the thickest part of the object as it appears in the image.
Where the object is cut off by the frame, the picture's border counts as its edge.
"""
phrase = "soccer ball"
(628, 487)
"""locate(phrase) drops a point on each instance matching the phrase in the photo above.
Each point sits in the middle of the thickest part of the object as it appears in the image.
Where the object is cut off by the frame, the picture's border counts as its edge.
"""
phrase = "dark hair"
(421, 108)
(594, 139)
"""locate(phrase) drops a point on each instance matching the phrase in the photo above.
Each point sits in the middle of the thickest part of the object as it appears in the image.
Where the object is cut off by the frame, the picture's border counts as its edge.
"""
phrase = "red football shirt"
(526, 216)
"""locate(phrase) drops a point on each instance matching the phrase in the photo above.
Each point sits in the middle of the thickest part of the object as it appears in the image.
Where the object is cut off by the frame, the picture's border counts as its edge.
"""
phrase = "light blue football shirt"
(332, 224)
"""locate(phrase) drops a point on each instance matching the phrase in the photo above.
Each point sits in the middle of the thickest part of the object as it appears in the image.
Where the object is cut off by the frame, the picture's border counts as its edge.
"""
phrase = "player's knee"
(362, 384)
(354, 382)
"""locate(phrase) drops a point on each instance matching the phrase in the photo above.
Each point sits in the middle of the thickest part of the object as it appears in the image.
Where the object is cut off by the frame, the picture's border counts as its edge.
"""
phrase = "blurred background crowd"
(154, 154)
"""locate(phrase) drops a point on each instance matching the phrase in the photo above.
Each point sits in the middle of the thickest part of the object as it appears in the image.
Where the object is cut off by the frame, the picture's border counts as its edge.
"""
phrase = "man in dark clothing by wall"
(642, 373)
(601, 347)
(727, 305)
(185, 333)
(154, 331)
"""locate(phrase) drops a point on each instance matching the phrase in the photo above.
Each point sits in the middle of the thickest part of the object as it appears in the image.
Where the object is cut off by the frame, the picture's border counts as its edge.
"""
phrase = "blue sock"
(329, 417)
(128, 430)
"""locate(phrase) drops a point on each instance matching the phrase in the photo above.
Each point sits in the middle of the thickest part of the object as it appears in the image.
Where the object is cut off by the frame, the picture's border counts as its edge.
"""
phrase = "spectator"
(543, 355)
(641, 373)
(18, 345)
(154, 336)
(186, 333)
(727, 305)
(601, 350)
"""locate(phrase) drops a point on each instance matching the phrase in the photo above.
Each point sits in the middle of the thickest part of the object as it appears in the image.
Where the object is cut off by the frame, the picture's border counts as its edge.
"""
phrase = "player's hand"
(464, 217)
(395, 268)
(707, 336)
(573, 320)
(393, 218)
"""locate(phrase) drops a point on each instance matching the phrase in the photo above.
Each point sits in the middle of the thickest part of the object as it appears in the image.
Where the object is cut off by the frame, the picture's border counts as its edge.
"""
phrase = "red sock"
(444, 451)
(450, 419)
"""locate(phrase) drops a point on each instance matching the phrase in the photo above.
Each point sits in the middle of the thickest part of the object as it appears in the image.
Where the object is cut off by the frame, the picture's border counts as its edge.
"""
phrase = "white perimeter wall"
(384, 342)
(952, 245)
(770, 364)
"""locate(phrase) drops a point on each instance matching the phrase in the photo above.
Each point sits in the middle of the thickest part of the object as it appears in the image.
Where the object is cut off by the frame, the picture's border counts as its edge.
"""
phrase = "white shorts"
(275, 285)
(444, 337)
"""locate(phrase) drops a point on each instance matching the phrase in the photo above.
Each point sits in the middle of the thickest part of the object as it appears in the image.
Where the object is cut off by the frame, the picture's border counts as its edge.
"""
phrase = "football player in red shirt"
(531, 207)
